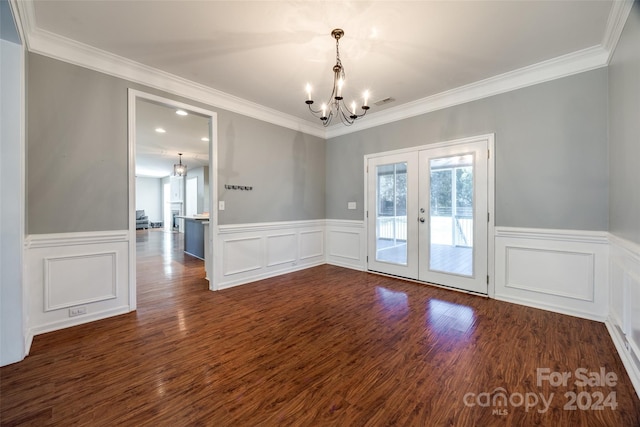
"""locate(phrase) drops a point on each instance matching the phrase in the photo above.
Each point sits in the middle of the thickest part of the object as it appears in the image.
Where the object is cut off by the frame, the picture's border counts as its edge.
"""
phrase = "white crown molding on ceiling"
(566, 65)
(620, 11)
(67, 50)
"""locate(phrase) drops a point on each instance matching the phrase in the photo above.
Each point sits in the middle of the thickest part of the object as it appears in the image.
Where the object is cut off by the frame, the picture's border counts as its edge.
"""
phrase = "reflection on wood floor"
(323, 346)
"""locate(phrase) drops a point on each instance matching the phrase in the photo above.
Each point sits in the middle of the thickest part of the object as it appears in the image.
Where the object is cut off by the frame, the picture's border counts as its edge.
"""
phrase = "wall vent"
(384, 101)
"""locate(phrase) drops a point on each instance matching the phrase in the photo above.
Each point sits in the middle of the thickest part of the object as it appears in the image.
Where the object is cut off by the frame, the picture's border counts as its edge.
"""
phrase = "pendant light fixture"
(336, 106)
(179, 169)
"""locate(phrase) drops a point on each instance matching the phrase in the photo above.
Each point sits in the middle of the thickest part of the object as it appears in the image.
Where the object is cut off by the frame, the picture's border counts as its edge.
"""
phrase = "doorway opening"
(160, 129)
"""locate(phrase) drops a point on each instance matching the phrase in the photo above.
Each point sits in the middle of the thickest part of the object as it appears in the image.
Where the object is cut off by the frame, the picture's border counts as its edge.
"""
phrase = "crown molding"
(62, 48)
(18, 20)
(620, 10)
(562, 66)
(71, 51)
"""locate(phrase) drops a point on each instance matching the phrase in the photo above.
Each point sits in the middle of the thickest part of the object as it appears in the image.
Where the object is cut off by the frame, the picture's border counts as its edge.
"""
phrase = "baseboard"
(347, 265)
(631, 364)
(28, 341)
(551, 307)
(266, 275)
(75, 321)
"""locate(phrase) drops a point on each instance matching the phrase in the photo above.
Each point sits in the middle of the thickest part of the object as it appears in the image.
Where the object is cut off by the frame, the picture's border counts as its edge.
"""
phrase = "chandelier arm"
(314, 111)
(348, 110)
(346, 119)
(327, 121)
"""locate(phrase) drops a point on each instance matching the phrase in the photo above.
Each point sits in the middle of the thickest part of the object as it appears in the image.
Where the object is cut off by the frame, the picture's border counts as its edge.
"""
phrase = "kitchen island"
(194, 237)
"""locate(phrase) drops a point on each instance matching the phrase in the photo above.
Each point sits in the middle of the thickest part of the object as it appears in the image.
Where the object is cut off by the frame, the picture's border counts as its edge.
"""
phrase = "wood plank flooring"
(325, 346)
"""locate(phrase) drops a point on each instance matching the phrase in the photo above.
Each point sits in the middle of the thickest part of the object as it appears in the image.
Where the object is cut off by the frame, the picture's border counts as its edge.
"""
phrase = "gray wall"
(624, 133)
(77, 175)
(77, 156)
(291, 189)
(551, 152)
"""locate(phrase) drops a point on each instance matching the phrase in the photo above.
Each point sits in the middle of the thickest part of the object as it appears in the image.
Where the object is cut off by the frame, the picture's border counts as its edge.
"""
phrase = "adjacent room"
(320, 213)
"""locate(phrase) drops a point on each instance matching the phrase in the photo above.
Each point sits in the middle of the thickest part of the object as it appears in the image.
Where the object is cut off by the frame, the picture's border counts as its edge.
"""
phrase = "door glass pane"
(391, 213)
(451, 215)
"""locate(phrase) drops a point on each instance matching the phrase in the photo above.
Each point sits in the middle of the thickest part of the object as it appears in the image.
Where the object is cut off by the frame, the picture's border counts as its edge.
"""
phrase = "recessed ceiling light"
(160, 130)
(181, 112)
(205, 139)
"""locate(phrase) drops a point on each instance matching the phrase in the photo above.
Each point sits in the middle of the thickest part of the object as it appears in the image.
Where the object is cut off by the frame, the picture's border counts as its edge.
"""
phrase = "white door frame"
(490, 139)
(133, 96)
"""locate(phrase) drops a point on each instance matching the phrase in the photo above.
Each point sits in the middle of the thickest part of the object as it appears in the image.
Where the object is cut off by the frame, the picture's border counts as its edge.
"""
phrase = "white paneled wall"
(558, 270)
(624, 313)
(74, 278)
(346, 243)
(250, 252)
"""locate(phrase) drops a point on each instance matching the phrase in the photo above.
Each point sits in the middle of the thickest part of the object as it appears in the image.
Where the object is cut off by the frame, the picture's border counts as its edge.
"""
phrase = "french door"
(427, 215)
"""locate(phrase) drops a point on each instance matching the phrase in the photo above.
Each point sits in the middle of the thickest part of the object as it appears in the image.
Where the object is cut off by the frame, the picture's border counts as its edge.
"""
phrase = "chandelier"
(179, 169)
(336, 106)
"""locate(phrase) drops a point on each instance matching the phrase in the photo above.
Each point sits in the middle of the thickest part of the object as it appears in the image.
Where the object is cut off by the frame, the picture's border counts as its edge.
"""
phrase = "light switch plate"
(221, 205)
(351, 205)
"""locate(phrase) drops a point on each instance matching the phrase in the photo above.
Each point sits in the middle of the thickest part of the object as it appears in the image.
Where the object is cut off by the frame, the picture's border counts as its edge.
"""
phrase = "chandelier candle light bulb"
(336, 105)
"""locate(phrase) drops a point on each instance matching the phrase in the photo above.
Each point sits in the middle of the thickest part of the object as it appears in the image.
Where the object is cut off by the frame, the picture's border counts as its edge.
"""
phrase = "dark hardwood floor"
(323, 346)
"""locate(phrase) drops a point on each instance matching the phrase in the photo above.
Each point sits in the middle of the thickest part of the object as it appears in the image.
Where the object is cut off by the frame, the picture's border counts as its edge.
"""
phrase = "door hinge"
(487, 279)
(488, 217)
(367, 258)
(488, 154)
(367, 214)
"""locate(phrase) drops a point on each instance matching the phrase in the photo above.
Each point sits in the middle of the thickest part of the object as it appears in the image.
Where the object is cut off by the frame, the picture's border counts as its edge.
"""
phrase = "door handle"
(421, 219)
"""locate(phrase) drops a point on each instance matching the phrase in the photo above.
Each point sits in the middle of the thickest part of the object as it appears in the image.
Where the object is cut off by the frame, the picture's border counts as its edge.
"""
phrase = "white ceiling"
(156, 153)
(265, 52)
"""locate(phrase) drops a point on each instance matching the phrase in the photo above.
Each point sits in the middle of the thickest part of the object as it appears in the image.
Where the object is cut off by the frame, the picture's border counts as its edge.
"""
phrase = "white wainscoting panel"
(79, 279)
(346, 244)
(281, 249)
(558, 270)
(88, 270)
(311, 244)
(241, 255)
(567, 274)
(248, 252)
(624, 310)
